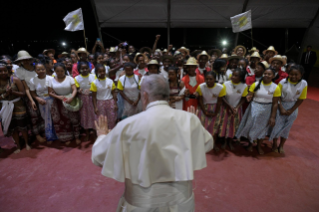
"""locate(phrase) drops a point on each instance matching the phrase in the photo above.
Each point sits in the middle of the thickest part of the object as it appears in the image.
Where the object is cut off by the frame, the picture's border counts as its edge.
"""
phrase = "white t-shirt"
(164, 73)
(25, 75)
(62, 88)
(266, 92)
(107, 68)
(234, 92)
(84, 82)
(291, 92)
(103, 88)
(229, 74)
(40, 85)
(14, 67)
(210, 95)
(221, 78)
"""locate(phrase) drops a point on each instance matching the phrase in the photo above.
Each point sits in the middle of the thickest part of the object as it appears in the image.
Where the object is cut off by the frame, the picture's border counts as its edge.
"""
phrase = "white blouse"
(62, 88)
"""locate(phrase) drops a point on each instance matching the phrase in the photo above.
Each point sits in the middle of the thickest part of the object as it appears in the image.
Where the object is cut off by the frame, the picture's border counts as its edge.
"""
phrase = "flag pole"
(252, 39)
(85, 40)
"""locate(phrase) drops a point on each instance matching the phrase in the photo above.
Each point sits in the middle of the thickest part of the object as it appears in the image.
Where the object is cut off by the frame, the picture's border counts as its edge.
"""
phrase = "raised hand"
(192, 110)
(102, 126)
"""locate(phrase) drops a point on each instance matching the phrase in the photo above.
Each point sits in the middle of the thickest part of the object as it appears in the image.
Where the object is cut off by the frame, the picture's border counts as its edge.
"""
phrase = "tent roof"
(205, 13)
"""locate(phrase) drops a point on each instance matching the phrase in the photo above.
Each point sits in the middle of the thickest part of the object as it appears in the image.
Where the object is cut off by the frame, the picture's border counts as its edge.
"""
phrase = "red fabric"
(250, 80)
(198, 72)
(282, 75)
(136, 71)
(75, 71)
(192, 102)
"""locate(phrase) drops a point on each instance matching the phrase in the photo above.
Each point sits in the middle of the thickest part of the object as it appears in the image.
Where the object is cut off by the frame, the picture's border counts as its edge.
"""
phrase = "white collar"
(156, 103)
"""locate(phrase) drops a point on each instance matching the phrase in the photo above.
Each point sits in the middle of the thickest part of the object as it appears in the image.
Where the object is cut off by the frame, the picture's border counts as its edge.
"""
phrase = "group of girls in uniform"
(60, 100)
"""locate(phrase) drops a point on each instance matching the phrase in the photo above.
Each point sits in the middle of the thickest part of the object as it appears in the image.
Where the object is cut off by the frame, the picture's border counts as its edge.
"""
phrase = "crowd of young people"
(241, 96)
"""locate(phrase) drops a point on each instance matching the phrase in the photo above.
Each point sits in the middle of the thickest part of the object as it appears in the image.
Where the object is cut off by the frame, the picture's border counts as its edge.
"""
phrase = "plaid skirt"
(37, 122)
(87, 114)
(254, 124)
(66, 123)
(210, 123)
(229, 123)
(283, 123)
(107, 108)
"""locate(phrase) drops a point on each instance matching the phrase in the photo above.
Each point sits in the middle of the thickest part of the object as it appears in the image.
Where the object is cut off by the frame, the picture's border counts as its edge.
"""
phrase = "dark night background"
(38, 25)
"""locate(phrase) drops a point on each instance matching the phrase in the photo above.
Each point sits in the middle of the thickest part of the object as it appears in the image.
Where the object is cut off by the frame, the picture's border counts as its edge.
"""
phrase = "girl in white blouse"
(293, 92)
(104, 96)
(260, 116)
(66, 123)
(83, 84)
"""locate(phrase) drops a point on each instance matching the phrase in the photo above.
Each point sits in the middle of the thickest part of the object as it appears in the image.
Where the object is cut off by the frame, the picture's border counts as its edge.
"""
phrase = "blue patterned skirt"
(45, 111)
(283, 123)
(254, 124)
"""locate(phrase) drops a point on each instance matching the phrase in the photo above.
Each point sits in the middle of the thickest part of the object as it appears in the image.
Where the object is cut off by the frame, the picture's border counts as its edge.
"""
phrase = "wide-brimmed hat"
(219, 53)
(75, 105)
(278, 58)
(82, 50)
(49, 50)
(270, 48)
(264, 64)
(233, 56)
(146, 49)
(164, 51)
(203, 53)
(170, 57)
(240, 46)
(191, 62)
(183, 49)
(252, 50)
(153, 62)
(137, 55)
(112, 49)
(177, 53)
(224, 56)
(63, 54)
(255, 54)
(23, 55)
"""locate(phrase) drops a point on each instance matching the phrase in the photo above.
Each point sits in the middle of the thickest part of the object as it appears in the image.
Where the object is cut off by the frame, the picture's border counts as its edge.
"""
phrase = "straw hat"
(158, 50)
(240, 46)
(82, 50)
(171, 58)
(252, 50)
(23, 55)
(278, 58)
(46, 51)
(264, 63)
(153, 62)
(75, 105)
(177, 53)
(224, 56)
(164, 51)
(112, 49)
(255, 54)
(63, 54)
(270, 48)
(137, 55)
(219, 53)
(191, 62)
(183, 49)
(233, 56)
(146, 49)
(203, 53)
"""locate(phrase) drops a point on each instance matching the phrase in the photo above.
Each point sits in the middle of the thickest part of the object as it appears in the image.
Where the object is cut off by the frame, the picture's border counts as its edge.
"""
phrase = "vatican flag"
(74, 21)
(241, 22)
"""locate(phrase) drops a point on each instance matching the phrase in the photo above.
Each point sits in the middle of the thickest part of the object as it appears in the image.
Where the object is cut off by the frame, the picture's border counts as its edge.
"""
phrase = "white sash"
(6, 113)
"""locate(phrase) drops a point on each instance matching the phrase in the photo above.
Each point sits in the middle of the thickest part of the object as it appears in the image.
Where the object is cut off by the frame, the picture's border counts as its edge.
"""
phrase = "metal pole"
(168, 22)
(86, 47)
(252, 39)
(96, 20)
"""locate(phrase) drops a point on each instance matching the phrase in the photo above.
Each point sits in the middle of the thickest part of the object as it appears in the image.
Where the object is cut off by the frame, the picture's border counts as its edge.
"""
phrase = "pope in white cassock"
(155, 153)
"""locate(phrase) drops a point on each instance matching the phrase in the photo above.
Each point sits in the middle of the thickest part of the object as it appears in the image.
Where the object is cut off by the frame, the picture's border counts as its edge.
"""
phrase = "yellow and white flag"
(74, 21)
(241, 22)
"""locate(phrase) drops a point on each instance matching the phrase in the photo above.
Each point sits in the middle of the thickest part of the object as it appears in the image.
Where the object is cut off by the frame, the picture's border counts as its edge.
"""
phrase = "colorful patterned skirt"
(19, 121)
(284, 123)
(254, 124)
(45, 111)
(66, 123)
(37, 123)
(210, 123)
(229, 123)
(87, 114)
(107, 108)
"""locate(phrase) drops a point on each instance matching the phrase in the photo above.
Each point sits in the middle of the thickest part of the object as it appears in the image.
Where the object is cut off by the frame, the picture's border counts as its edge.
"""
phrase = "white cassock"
(155, 153)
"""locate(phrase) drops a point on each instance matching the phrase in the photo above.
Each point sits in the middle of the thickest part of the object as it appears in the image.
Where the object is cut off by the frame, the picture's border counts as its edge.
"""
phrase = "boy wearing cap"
(202, 59)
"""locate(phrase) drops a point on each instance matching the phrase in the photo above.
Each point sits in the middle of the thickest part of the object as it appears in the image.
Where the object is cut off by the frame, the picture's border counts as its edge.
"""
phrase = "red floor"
(64, 179)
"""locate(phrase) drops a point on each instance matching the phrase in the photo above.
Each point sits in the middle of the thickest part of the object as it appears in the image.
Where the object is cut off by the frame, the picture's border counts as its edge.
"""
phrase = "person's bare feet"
(67, 143)
(78, 141)
(230, 143)
(260, 150)
(274, 149)
(40, 139)
(281, 150)
(250, 147)
(28, 147)
(16, 151)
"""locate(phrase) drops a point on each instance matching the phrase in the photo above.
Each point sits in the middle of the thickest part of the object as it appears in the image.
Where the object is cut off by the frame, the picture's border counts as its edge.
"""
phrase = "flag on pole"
(241, 22)
(74, 21)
